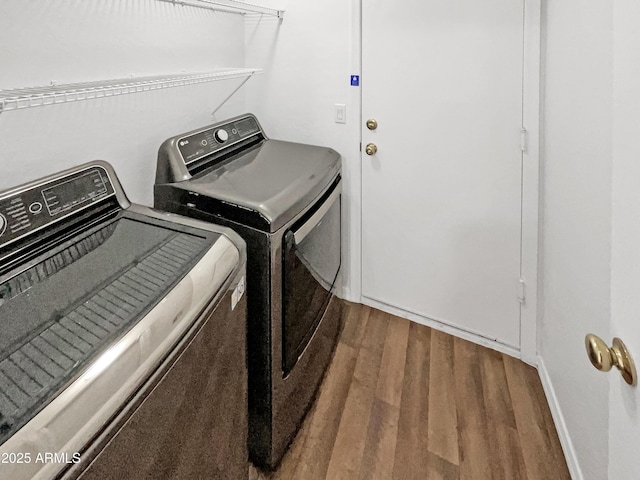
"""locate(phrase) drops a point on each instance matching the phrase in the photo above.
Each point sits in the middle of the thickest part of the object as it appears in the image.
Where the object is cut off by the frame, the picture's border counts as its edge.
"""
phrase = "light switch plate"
(341, 113)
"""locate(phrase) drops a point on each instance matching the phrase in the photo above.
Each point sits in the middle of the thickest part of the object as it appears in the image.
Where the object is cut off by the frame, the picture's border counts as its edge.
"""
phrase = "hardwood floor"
(402, 401)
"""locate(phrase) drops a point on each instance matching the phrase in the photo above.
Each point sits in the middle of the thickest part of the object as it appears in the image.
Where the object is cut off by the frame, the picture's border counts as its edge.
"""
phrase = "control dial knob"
(3, 224)
(221, 135)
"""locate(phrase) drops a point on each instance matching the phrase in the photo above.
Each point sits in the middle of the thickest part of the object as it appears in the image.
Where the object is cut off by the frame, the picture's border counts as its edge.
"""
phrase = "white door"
(441, 197)
(624, 401)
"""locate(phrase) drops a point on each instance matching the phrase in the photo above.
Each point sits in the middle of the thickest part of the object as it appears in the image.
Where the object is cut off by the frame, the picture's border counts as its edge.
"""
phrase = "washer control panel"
(35, 208)
(206, 142)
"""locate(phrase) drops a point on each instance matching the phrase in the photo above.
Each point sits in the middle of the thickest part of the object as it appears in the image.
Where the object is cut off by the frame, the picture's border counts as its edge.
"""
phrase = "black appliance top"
(241, 175)
(77, 271)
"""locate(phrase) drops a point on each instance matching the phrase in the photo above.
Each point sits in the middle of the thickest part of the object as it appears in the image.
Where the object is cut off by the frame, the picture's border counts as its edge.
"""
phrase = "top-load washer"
(123, 345)
(283, 198)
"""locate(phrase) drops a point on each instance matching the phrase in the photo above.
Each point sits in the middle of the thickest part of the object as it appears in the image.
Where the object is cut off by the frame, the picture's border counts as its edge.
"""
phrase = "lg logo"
(184, 142)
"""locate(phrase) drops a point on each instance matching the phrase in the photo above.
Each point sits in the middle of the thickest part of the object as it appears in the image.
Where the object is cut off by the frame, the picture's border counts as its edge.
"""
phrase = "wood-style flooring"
(403, 401)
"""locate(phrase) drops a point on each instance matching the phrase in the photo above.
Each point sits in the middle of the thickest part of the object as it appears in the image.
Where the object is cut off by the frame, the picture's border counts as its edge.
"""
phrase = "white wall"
(576, 213)
(308, 59)
(73, 41)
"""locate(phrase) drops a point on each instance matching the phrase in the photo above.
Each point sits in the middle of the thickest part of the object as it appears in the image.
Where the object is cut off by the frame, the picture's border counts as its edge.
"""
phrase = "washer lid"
(267, 186)
(80, 341)
(58, 312)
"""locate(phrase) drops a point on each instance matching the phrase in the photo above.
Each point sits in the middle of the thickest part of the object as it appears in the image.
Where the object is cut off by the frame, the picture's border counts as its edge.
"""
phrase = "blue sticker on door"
(355, 80)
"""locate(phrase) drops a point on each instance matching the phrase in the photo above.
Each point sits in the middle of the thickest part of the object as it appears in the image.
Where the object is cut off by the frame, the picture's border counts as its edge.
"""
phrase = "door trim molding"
(530, 180)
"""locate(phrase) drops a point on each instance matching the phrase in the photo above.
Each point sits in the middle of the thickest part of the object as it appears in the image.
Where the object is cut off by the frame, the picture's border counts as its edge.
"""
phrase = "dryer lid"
(275, 181)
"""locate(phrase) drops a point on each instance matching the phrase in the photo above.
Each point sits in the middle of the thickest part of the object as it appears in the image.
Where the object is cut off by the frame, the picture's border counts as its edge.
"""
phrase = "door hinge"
(523, 139)
(521, 294)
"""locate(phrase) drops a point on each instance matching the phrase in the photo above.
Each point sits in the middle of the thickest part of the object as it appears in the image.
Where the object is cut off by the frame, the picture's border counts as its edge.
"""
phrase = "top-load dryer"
(283, 198)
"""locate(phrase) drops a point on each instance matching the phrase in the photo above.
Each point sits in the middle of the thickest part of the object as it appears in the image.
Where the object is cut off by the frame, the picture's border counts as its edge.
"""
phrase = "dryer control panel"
(35, 207)
(197, 145)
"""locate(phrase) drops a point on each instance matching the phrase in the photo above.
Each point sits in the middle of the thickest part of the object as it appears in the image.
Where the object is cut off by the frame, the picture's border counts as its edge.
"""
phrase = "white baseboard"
(561, 426)
(443, 327)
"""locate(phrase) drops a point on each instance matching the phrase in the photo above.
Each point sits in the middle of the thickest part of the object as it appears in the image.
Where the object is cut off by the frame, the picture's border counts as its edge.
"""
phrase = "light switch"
(341, 113)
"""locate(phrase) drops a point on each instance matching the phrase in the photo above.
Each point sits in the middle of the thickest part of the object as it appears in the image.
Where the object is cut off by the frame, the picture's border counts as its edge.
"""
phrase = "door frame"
(530, 242)
(530, 217)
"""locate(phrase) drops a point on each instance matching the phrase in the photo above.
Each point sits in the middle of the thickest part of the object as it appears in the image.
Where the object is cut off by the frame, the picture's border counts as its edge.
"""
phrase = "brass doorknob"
(372, 124)
(371, 148)
(603, 358)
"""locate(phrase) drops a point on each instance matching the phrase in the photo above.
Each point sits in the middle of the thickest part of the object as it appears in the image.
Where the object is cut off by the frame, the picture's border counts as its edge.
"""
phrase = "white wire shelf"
(229, 6)
(19, 98)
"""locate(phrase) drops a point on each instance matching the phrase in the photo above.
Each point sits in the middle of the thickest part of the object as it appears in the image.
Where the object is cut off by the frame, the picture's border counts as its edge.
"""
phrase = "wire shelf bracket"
(20, 98)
